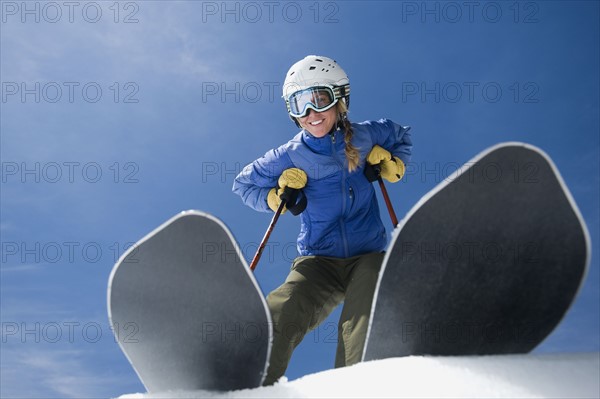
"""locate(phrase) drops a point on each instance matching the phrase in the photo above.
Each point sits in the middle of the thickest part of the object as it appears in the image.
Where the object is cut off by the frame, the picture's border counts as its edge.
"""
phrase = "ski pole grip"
(295, 199)
(372, 172)
(289, 195)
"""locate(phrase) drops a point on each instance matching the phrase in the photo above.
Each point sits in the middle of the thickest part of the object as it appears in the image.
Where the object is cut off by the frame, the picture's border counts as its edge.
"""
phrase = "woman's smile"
(319, 123)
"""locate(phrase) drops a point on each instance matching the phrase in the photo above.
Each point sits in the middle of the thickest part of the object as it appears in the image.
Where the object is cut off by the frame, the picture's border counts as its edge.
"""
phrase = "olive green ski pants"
(315, 286)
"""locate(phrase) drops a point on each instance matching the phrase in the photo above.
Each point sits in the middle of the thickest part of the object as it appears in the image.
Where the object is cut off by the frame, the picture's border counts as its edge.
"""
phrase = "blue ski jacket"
(342, 216)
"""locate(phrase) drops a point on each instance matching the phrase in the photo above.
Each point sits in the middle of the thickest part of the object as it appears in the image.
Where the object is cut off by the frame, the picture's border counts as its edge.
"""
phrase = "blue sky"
(117, 116)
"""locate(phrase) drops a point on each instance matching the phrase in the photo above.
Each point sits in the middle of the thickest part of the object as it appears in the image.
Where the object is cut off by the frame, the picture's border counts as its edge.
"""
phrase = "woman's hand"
(294, 179)
(392, 168)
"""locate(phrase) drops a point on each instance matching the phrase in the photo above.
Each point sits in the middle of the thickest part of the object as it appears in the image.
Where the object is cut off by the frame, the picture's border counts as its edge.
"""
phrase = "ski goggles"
(319, 98)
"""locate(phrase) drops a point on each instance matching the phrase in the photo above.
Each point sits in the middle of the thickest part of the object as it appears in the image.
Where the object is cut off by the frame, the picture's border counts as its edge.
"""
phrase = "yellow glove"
(392, 168)
(293, 178)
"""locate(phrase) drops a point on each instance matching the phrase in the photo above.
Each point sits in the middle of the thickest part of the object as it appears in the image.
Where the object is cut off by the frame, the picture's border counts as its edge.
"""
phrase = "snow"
(505, 376)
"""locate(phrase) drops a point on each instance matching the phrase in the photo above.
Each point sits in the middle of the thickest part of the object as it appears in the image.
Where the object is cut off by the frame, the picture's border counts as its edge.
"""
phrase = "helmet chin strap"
(339, 125)
(296, 122)
(341, 119)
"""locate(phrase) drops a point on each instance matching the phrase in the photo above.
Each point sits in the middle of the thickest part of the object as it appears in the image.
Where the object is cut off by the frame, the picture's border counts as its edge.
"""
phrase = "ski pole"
(388, 203)
(373, 172)
(263, 243)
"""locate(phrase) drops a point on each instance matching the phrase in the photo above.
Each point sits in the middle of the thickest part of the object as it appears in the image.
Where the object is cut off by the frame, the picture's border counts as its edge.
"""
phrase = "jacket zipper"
(344, 202)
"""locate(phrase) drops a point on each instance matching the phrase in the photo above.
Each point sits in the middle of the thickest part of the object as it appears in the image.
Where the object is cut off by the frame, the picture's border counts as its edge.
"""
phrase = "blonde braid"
(352, 153)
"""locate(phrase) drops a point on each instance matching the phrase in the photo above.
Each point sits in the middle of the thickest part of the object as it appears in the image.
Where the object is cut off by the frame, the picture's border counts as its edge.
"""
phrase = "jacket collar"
(323, 145)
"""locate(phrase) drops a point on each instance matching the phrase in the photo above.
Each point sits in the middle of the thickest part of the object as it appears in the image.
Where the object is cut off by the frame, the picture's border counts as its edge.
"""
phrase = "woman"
(342, 237)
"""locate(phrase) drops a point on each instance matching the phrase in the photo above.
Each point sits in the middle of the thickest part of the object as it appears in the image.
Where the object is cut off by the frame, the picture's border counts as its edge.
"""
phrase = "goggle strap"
(341, 91)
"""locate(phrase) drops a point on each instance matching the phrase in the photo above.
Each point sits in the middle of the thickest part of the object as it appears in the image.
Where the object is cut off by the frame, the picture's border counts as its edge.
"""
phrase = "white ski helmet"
(317, 73)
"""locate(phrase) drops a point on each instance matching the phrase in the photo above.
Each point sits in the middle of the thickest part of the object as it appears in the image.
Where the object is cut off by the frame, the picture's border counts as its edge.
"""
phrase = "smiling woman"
(195, 100)
(342, 237)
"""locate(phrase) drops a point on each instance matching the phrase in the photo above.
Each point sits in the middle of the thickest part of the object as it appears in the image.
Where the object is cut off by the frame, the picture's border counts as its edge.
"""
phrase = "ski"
(196, 315)
(488, 262)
